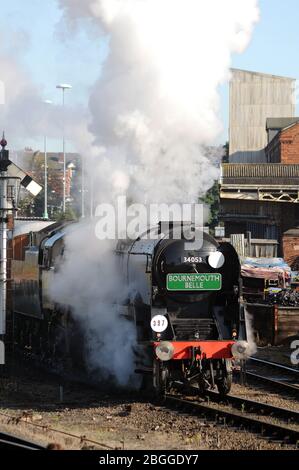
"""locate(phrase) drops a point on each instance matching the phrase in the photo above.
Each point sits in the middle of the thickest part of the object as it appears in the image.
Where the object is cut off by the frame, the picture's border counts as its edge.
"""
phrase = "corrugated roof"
(280, 123)
(25, 226)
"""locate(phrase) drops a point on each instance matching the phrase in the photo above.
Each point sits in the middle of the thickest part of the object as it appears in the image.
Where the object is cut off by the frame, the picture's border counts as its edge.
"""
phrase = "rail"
(236, 419)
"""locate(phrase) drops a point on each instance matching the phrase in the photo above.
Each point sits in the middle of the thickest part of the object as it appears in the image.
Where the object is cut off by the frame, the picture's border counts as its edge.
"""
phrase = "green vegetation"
(225, 158)
(69, 215)
(212, 197)
(212, 200)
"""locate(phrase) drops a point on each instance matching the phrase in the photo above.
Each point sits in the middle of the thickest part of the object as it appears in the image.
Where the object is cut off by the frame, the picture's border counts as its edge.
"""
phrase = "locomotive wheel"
(161, 380)
(225, 384)
(203, 385)
(225, 379)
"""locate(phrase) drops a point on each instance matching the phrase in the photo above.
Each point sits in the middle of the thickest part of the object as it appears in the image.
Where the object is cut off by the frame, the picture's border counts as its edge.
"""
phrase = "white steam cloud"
(154, 109)
(20, 98)
(156, 106)
(90, 282)
(252, 349)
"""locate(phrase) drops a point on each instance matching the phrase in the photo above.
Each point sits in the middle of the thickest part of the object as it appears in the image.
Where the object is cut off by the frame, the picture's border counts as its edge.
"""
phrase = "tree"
(212, 199)
(225, 158)
(69, 215)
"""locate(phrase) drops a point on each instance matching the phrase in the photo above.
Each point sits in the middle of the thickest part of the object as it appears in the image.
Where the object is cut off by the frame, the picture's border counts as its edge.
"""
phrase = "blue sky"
(51, 56)
(75, 59)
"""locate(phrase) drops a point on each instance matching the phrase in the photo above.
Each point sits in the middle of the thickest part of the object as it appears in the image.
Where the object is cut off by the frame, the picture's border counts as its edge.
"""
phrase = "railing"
(260, 173)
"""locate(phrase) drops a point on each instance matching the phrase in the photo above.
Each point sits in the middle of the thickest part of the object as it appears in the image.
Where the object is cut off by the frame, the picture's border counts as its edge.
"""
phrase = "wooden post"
(248, 236)
(275, 324)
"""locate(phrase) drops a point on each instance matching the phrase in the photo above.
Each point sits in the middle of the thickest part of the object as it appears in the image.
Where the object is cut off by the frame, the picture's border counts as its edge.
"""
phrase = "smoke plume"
(154, 109)
(90, 282)
(252, 349)
(156, 104)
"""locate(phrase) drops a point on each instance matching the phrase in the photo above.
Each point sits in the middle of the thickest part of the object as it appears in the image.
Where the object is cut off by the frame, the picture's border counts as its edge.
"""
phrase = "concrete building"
(255, 97)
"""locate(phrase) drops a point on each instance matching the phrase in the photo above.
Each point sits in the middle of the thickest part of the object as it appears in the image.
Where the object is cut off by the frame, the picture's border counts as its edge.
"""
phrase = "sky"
(33, 29)
(52, 55)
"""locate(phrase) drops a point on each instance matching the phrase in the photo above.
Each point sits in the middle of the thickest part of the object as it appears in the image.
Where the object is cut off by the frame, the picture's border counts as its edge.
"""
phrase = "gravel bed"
(258, 393)
(122, 421)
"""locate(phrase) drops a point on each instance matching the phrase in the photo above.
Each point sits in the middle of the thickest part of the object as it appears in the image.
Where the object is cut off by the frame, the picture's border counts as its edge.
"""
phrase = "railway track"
(11, 442)
(275, 375)
(236, 418)
(252, 406)
(275, 364)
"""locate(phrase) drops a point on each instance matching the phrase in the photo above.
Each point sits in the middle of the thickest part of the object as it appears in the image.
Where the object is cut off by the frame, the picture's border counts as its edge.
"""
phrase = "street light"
(63, 87)
(46, 215)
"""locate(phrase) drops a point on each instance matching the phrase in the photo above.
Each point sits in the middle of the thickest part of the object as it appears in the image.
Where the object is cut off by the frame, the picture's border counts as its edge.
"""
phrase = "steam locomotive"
(185, 304)
(189, 320)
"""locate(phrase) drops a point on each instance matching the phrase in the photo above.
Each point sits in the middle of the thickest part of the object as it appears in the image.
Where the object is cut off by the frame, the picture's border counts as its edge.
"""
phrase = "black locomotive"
(186, 307)
(184, 302)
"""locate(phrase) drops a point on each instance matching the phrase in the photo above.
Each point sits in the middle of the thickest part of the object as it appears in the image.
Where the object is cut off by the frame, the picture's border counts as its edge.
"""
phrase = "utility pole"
(46, 215)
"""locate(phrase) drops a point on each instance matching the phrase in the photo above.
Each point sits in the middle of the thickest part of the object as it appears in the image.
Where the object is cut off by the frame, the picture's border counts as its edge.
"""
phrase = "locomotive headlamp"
(165, 351)
(216, 260)
(240, 350)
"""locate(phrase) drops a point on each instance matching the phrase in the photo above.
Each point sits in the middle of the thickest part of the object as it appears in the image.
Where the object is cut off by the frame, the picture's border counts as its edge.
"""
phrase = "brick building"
(284, 147)
(290, 242)
(263, 198)
(34, 164)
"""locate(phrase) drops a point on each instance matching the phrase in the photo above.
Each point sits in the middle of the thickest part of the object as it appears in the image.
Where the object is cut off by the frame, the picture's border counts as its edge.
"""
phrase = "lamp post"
(63, 87)
(46, 215)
